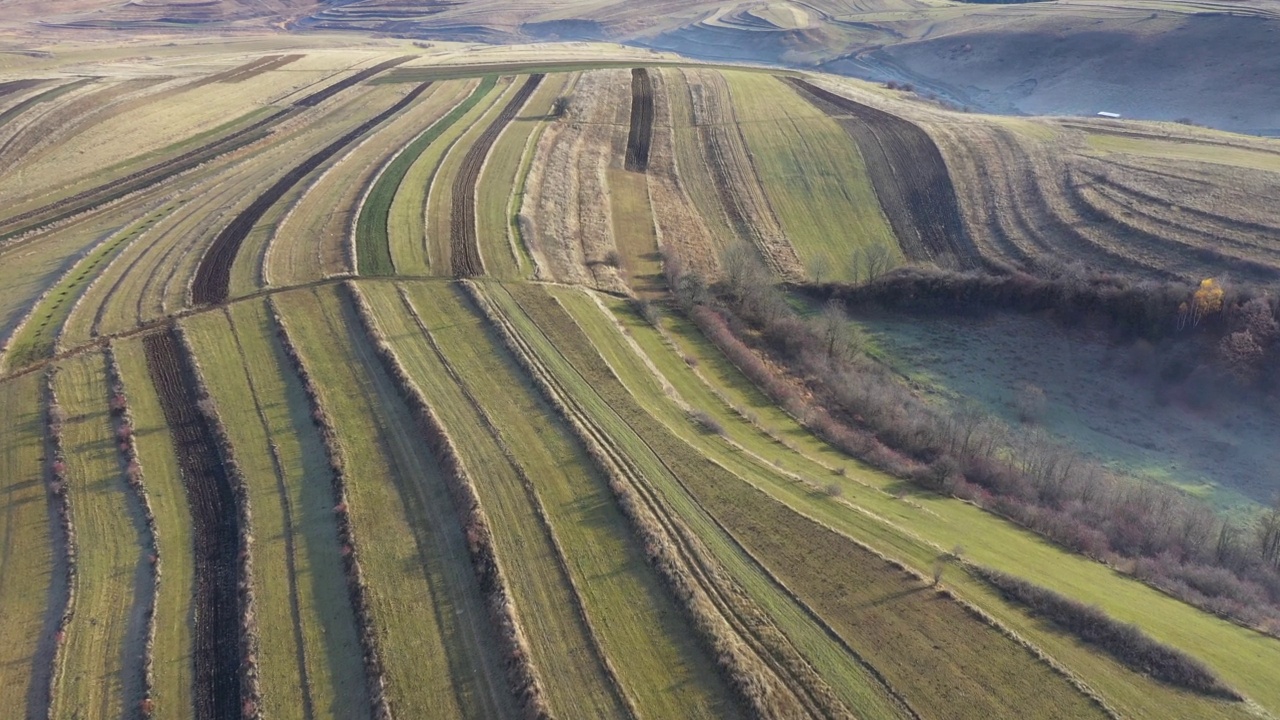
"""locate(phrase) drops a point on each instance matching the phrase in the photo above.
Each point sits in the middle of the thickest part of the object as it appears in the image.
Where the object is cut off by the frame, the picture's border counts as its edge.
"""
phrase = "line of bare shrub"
(522, 675)
(1172, 541)
(66, 530)
(250, 678)
(539, 509)
(125, 425)
(1123, 641)
(751, 683)
(357, 590)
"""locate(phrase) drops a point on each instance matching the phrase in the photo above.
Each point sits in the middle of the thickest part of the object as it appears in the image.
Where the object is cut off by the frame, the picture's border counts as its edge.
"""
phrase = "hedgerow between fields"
(1169, 539)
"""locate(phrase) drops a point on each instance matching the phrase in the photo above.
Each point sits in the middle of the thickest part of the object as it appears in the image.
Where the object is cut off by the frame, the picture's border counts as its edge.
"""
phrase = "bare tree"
(819, 268)
(868, 262)
(840, 338)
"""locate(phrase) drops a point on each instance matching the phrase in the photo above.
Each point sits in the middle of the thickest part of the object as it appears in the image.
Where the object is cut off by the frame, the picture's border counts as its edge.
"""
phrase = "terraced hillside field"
(360, 391)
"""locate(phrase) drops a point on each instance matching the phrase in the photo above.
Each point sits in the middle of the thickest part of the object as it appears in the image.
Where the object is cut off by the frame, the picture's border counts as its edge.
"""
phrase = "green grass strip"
(372, 240)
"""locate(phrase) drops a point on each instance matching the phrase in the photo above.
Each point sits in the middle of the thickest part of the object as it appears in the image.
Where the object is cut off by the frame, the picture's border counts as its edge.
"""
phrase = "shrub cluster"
(521, 673)
(858, 405)
(250, 678)
(357, 590)
(119, 408)
(1123, 641)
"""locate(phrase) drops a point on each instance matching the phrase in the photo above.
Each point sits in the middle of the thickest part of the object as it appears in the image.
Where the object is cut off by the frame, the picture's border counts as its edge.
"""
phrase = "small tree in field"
(940, 564)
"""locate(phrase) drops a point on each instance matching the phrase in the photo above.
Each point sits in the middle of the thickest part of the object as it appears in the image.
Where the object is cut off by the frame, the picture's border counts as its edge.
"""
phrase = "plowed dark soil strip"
(641, 134)
(93, 197)
(910, 178)
(264, 64)
(464, 246)
(213, 276)
(217, 606)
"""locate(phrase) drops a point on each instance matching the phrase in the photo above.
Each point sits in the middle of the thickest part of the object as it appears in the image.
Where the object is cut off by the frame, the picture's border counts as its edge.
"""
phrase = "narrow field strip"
(27, 565)
(801, 466)
(694, 174)
(920, 204)
(439, 168)
(172, 650)
(440, 652)
(87, 200)
(813, 174)
(576, 682)
(638, 626)
(565, 214)
(101, 666)
(681, 229)
(464, 243)
(309, 653)
(37, 338)
(734, 174)
(372, 231)
(413, 249)
(733, 604)
(635, 234)
(147, 586)
(216, 686)
(640, 135)
(213, 276)
(502, 179)
(312, 238)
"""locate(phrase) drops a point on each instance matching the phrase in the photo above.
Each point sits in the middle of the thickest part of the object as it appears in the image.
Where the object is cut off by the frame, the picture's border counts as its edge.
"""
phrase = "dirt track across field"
(909, 176)
(464, 248)
(216, 691)
(213, 276)
(641, 135)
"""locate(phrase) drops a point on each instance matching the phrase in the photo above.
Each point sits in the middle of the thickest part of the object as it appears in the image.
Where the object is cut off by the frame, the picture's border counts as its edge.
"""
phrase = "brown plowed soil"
(213, 276)
(910, 178)
(641, 135)
(464, 248)
(216, 689)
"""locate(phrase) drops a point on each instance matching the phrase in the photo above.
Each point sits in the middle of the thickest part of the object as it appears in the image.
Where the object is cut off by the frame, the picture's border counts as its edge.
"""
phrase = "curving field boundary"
(213, 276)
(910, 178)
(214, 518)
(464, 248)
(641, 134)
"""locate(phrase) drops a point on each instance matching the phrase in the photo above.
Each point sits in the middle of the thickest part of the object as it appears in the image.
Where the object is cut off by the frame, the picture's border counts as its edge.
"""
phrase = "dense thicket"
(1229, 328)
(1123, 641)
(814, 369)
